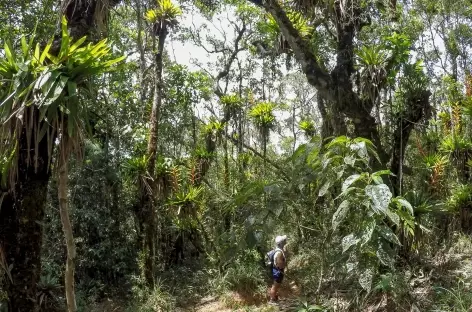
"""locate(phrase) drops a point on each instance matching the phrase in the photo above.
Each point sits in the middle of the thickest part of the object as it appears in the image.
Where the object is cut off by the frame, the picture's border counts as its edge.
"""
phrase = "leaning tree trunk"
(336, 87)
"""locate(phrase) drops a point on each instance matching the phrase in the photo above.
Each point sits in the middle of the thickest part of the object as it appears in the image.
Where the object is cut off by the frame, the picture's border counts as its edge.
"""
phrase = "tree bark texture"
(157, 100)
(336, 87)
(416, 108)
(147, 214)
(21, 231)
(69, 237)
(22, 207)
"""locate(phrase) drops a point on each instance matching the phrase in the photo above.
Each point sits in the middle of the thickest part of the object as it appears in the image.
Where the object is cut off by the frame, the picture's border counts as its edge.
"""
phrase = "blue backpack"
(270, 257)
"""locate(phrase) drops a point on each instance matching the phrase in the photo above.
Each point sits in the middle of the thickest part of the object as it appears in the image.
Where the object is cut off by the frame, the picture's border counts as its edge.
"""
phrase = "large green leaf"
(45, 52)
(64, 50)
(393, 216)
(77, 44)
(365, 279)
(405, 204)
(324, 189)
(349, 241)
(361, 149)
(367, 232)
(109, 63)
(36, 53)
(349, 181)
(45, 80)
(380, 196)
(24, 47)
(49, 87)
(340, 214)
(350, 160)
(384, 255)
(388, 234)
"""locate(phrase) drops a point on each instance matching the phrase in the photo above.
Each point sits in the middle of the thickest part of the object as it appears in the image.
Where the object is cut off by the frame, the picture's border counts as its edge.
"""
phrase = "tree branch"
(255, 152)
(301, 48)
(223, 73)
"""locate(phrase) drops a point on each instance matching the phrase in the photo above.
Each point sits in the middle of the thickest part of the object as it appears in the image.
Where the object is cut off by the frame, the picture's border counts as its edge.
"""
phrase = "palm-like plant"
(160, 18)
(187, 202)
(40, 91)
(163, 16)
(40, 94)
(372, 61)
(308, 126)
(460, 202)
(273, 35)
(263, 117)
(166, 11)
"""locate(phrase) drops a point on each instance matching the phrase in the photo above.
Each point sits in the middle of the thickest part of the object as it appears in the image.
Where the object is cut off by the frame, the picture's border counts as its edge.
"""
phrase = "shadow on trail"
(188, 284)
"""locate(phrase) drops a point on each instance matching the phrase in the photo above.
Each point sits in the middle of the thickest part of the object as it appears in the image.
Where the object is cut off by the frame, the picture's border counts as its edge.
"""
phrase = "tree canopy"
(151, 151)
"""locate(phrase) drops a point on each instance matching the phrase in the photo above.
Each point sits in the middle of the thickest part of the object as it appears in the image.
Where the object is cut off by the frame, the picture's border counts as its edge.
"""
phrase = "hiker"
(278, 263)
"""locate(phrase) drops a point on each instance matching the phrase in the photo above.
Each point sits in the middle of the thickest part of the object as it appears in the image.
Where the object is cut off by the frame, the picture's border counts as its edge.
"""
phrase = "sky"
(185, 52)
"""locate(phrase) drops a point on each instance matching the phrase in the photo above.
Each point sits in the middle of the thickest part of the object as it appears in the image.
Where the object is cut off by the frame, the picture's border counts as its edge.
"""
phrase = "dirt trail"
(219, 306)
(289, 294)
(211, 305)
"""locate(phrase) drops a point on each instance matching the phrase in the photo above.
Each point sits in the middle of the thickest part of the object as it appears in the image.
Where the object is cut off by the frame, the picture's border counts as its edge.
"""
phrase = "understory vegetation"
(151, 151)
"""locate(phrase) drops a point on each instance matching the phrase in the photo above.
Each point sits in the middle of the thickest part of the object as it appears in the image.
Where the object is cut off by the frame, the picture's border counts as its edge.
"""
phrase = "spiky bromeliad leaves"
(187, 204)
(212, 134)
(135, 170)
(460, 202)
(41, 91)
(232, 105)
(308, 127)
(271, 28)
(263, 116)
(165, 13)
(40, 96)
(380, 63)
(271, 35)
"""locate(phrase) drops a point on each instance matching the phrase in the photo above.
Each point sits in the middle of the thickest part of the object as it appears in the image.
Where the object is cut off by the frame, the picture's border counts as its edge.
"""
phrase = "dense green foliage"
(344, 125)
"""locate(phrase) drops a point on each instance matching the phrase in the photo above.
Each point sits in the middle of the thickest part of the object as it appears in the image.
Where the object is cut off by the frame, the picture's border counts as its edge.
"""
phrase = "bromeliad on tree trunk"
(39, 104)
(378, 67)
(160, 19)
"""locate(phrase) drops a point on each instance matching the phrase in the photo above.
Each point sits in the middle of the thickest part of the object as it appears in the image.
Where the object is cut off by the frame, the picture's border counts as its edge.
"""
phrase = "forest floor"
(234, 301)
(440, 283)
(195, 297)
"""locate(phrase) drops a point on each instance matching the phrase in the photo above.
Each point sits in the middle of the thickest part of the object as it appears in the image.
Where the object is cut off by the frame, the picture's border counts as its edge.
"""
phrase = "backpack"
(270, 257)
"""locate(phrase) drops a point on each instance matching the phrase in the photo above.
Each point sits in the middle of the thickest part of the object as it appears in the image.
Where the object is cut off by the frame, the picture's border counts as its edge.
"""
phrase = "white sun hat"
(280, 239)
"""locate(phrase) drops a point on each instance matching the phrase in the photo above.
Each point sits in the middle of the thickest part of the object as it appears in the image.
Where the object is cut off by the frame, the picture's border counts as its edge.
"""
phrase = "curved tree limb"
(315, 74)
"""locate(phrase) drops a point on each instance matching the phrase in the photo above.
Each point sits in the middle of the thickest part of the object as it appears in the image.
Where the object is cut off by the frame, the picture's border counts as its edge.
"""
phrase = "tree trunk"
(326, 126)
(294, 129)
(157, 101)
(148, 214)
(21, 230)
(416, 108)
(69, 238)
(22, 208)
(227, 213)
(336, 87)
(142, 54)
